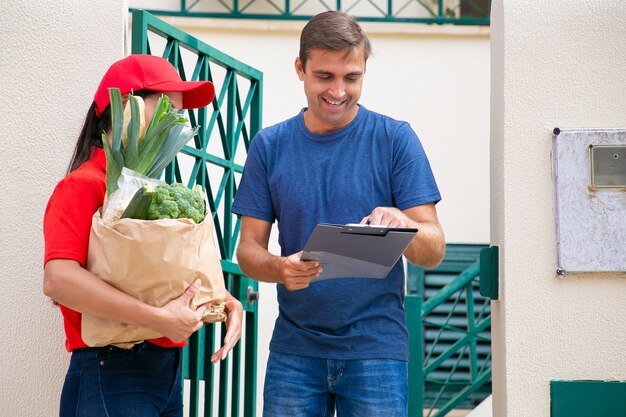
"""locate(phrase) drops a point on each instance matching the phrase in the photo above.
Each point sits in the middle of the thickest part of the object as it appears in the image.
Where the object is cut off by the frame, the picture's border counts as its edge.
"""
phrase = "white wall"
(52, 56)
(554, 64)
(437, 78)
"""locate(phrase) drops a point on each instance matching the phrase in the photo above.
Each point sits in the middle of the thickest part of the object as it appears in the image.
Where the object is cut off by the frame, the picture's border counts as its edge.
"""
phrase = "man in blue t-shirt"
(341, 344)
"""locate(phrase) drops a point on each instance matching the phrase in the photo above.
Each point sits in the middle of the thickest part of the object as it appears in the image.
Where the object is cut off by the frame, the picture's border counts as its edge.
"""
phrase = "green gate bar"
(460, 12)
(228, 389)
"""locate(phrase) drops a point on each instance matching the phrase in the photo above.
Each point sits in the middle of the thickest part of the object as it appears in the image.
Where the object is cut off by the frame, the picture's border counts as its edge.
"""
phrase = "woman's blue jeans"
(297, 386)
(144, 381)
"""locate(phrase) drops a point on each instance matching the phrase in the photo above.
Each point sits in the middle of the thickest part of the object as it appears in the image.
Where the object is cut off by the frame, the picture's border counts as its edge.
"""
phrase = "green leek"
(147, 154)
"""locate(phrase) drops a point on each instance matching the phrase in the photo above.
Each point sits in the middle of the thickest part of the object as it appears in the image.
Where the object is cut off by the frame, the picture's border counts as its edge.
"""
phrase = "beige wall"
(554, 64)
(51, 60)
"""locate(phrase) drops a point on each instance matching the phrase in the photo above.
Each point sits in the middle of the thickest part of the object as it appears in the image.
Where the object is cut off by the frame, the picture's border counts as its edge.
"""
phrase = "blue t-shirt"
(300, 179)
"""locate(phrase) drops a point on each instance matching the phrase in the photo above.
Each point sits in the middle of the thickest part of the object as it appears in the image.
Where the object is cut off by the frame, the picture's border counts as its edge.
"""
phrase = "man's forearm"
(258, 263)
(428, 246)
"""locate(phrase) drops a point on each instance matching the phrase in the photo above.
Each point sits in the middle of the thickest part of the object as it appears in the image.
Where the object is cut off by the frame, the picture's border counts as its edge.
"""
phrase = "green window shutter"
(447, 324)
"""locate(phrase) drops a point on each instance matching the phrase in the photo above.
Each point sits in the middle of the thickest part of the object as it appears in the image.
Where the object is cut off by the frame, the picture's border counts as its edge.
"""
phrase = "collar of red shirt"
(99, 157)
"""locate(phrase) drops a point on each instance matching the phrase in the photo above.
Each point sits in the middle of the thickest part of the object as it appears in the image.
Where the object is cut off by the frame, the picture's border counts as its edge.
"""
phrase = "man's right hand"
(297, 274)
(258, 263)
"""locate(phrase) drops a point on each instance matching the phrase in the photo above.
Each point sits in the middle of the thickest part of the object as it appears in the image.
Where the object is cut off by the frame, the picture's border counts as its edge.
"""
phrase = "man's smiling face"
(332, 84)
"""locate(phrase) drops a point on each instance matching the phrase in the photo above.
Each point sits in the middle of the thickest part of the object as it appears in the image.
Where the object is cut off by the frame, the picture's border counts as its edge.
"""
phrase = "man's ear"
(299, 68)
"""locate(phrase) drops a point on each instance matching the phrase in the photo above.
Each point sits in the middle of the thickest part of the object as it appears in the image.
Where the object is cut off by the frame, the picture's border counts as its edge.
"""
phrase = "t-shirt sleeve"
(413, 182)
(253, 197)
(67, 220)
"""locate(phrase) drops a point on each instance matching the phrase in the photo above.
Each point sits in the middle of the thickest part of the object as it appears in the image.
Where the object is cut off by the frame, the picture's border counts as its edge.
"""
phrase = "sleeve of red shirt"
(67, 220)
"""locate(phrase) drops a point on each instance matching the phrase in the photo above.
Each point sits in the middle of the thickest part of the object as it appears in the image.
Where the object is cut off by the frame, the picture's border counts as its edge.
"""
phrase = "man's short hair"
(335, 31)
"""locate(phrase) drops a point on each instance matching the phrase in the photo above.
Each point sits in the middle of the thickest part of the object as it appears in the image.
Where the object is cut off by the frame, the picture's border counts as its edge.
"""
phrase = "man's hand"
(296, 274)
(428, 246)
(387, 216)
(256, 262)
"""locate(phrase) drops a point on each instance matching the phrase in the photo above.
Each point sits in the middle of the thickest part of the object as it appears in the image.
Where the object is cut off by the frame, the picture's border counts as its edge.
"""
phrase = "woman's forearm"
(66, 282)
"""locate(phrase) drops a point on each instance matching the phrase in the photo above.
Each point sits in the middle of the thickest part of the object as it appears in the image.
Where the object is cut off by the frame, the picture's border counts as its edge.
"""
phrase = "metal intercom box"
(589, 177)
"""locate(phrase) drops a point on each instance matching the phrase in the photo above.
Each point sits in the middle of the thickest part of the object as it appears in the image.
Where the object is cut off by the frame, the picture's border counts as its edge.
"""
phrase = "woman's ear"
(299, 68)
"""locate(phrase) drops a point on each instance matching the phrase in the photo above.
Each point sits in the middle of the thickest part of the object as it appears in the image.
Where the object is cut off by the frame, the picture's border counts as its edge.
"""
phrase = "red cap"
(149, 72)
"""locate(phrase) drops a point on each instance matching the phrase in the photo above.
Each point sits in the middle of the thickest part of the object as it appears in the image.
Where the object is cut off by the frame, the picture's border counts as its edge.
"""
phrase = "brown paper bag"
(154, 261)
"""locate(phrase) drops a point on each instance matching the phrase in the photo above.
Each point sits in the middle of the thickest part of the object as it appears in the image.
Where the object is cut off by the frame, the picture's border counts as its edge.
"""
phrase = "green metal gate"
(456, 12)
(215, 160)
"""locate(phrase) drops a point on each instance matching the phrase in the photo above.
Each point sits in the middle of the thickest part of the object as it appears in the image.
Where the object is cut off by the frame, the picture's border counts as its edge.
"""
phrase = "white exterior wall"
(52, 57)
(554, 64)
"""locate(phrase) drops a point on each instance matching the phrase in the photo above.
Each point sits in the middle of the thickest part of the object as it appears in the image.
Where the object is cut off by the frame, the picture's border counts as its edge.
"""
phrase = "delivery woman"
(109, 381)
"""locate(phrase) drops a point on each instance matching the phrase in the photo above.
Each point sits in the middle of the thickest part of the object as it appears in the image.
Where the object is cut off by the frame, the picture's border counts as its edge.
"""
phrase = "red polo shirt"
(66, 227)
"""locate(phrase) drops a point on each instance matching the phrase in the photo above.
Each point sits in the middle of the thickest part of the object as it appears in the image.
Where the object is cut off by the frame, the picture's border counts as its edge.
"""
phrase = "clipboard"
(356, 250)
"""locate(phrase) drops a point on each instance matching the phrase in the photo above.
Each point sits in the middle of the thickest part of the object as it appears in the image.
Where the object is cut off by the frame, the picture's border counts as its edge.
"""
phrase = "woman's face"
(150, 103)
(176, 99)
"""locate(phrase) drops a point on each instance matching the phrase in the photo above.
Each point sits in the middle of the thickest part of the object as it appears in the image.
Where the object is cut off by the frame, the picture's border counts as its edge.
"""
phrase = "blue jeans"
(297, 386)
(144, 381)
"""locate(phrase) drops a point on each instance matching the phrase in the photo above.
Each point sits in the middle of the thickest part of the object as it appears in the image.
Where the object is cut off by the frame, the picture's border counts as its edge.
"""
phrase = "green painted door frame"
(214, 160)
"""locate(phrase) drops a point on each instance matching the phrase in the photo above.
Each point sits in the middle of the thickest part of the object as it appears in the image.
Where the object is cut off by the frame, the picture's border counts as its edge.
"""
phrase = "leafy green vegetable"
(113, 150)
(175, 201)
(168, 201)
(166, 134)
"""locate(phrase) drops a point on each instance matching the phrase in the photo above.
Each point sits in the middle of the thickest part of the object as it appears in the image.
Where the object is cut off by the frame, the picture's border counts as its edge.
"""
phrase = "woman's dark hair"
(335, 31)
(91, 134)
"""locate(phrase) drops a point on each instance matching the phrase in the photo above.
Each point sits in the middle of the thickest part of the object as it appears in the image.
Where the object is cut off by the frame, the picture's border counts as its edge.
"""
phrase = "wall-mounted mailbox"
(589, 176)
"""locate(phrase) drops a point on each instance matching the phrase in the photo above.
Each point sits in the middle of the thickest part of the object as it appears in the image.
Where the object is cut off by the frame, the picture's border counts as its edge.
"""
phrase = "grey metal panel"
(590, 221)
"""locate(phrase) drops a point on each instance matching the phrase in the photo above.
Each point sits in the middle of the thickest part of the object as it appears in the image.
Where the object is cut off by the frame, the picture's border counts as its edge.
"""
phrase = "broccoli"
(175, 201)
